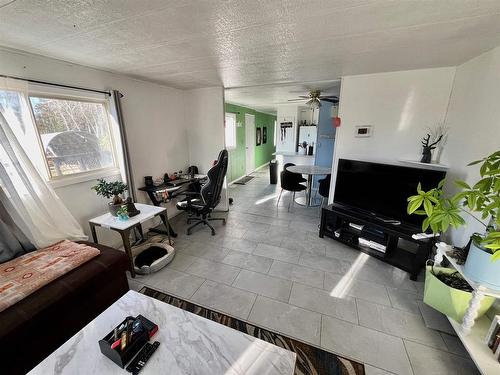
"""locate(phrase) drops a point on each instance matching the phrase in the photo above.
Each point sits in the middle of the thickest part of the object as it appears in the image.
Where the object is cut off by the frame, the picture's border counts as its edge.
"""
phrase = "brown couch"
(34, 327)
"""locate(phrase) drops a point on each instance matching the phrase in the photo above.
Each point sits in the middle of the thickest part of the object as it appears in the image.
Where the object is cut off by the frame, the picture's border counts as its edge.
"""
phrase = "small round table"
(310, 171)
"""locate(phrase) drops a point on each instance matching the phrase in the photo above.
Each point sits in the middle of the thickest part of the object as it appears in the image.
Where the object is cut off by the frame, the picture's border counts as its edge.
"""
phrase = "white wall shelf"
(439, 167)
(472, 331)
(478, 350)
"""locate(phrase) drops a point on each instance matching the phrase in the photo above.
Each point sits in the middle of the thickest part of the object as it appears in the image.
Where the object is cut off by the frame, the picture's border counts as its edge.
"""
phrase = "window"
(230, 128)
(275, 138)
(74, 134)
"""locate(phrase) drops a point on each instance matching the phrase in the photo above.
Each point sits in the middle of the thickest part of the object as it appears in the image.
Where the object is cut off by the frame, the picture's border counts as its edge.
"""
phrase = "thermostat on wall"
(364, 131)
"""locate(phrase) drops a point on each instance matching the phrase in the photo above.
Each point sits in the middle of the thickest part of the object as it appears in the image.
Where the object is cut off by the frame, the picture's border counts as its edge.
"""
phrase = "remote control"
(142, 357)
(421, 236)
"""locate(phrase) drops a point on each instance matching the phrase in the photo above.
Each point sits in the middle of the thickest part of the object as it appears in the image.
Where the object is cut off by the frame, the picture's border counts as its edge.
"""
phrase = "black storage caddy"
(121, 358)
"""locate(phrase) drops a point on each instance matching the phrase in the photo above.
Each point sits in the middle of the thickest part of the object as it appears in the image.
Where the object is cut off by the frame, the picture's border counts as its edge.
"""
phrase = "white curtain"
(32, 203)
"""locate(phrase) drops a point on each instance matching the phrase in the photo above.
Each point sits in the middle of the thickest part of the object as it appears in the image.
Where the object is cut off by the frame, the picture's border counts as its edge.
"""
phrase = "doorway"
(249, 143)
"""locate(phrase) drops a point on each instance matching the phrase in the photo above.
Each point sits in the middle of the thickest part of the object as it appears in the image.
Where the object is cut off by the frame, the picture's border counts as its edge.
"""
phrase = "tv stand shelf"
(335, 220)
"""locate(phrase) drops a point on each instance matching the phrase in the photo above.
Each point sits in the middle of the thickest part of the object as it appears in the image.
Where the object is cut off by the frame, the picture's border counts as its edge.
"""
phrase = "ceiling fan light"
(314, 103)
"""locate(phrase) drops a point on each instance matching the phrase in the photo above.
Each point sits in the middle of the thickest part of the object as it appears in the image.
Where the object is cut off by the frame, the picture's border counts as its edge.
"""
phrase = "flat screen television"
(382, 189)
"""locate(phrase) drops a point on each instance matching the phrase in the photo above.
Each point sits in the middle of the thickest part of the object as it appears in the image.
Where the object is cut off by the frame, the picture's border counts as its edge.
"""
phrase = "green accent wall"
(263, 153)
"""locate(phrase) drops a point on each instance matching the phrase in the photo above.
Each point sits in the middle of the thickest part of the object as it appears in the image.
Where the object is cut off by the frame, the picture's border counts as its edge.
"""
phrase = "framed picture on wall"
(258, 137)
(264, 135)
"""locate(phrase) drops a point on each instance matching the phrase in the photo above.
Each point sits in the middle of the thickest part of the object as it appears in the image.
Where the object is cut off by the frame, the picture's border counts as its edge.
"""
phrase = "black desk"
(174, 188)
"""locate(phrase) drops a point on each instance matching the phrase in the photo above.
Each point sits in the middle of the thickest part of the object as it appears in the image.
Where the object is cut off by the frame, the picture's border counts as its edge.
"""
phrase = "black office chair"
(290, 182)
(202, 204)
(324, 187)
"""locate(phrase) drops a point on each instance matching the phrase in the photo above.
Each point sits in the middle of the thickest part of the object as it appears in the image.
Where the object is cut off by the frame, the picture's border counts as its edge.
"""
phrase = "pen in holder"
(124, 341)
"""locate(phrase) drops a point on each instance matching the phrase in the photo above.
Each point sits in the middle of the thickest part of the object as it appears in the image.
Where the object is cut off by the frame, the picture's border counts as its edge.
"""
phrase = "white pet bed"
(153, 258)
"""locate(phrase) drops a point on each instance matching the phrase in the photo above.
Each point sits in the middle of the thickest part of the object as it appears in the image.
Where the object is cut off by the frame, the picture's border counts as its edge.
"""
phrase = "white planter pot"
(481, 269)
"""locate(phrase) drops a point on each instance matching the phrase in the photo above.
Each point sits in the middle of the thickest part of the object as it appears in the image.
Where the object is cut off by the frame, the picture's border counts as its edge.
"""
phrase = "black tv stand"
(335, 223)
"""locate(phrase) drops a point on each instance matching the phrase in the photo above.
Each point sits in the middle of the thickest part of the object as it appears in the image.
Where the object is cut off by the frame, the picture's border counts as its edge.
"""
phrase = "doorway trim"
(249, 143)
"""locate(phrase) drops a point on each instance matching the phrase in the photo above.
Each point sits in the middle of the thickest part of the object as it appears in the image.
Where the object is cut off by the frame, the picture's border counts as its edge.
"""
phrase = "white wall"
(154, 120)
(474, 121)
(205, 128)
(399, 106)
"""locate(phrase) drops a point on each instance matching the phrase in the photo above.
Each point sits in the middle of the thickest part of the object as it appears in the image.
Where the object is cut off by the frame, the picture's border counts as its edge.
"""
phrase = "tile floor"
(268, 266)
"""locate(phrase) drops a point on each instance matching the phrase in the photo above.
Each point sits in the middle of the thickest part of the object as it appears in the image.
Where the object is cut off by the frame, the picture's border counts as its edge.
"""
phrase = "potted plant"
(111, 190)
(122, 213)
(482, 198)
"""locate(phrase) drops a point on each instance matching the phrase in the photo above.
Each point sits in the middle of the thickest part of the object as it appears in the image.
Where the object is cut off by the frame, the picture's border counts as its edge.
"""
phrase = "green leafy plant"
(482, 198)
(122, 211)
(110, 189)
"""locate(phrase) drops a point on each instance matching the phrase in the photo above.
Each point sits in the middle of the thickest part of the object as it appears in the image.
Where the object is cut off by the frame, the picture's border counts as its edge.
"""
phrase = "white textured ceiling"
(267, 98)
(251, 42)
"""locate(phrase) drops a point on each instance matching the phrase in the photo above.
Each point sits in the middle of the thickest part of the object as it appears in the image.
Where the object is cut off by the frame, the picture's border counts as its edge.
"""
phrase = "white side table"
(109, 221)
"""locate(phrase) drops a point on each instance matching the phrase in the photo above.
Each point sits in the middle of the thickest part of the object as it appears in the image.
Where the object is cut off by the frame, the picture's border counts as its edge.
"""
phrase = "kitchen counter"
(292, 154)
(296, 158)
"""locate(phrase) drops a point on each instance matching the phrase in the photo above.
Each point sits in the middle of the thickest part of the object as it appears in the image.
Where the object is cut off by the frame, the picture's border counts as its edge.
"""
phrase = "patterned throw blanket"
(22, 276)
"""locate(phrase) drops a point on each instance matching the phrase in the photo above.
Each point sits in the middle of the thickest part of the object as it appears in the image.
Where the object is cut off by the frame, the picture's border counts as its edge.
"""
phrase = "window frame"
(233, 115)
(275, 135)
(74, 178)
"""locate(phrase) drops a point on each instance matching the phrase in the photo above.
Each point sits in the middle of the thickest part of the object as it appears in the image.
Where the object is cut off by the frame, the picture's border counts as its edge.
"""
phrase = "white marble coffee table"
(189, 344)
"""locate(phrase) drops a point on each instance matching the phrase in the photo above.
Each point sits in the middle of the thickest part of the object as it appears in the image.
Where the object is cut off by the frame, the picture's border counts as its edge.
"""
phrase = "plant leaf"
(428, 207)
(462, 184)
(495, 256)
(414, 205)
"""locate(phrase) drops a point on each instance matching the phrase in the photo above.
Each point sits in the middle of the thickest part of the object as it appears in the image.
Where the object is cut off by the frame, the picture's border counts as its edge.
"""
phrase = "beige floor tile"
(298, 273)
(224, 298)
(404, 300)
(321, 301)
(366, 345)
(398, 323)
(206, 251)
(371, 370)
(181, 261)
(324, 263)
(248, 261)
(290, 320)
(279, 253)
(175, 282)
(340, 286)
(264, 285)
(428, 361)
(239, 244)
(214, 271)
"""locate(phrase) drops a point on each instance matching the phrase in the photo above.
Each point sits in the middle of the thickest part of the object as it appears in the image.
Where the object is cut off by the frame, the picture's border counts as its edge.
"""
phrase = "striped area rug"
(310, 359)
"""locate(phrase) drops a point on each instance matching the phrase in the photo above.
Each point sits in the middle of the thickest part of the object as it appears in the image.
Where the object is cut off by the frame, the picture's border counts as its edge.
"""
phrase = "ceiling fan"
(315, 98)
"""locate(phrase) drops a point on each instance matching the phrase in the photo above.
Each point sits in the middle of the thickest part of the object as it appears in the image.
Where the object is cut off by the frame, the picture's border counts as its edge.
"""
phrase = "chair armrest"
(190, 195)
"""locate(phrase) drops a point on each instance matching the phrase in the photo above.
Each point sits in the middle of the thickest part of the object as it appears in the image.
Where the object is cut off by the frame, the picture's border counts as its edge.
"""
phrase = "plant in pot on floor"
(481, 199)
(111, 190)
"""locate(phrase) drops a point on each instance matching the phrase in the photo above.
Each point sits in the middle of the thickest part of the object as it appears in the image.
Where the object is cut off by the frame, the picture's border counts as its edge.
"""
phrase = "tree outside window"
(74, 134)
